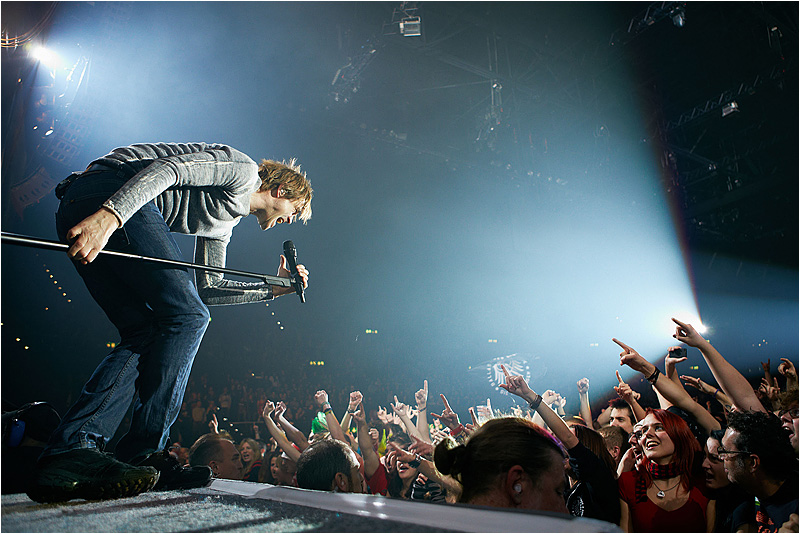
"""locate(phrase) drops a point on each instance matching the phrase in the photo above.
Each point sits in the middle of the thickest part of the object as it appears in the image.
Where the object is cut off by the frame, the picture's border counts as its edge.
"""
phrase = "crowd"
(719, 457)
(723, 458)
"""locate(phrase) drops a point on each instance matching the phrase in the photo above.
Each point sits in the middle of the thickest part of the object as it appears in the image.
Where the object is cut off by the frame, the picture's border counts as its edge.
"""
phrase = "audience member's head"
(330, 465)
(218, 453)
(756, 450)
(616, 441)
(713, 467)
(250, 452)
(508, 462)
(621, 415)
(788, 414)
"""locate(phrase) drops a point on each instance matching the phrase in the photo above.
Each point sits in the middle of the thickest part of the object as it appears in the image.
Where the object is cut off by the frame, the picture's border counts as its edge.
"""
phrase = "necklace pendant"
(660, 494)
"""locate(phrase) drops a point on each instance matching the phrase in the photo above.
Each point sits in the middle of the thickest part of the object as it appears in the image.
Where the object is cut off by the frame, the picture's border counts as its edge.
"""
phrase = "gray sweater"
(202, 190)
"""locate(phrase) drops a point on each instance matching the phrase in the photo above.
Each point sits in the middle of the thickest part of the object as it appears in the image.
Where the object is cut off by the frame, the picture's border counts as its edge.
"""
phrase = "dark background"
(461, 222)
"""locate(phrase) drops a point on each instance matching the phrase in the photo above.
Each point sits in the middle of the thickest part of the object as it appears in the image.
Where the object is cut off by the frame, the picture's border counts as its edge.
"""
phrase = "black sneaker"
(173, 475)
(87, 474)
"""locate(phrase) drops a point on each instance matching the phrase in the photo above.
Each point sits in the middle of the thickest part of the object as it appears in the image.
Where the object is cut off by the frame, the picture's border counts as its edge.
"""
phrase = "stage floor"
(227, 506)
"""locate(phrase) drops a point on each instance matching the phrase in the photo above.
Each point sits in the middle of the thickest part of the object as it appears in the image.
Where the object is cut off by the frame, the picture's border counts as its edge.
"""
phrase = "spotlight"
(46, 57)
(729, 108)
(411, 27)
(679, 17)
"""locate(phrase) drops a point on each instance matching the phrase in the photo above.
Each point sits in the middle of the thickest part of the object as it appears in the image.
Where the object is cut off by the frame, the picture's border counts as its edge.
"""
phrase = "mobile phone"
(680, 352)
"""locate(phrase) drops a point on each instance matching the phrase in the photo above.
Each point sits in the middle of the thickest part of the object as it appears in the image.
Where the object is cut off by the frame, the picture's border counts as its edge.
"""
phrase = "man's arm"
(585, 409)
(421, 396)
(735, 386)
(371, 460)
(297, 437)
(516, 385)
(674, 393)
(321, 397)
(276, 433)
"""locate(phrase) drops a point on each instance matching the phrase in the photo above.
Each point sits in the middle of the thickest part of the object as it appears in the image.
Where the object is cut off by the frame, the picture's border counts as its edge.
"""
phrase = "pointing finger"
(505, 371)
(444, 399)
(620, 343)
(619, 378)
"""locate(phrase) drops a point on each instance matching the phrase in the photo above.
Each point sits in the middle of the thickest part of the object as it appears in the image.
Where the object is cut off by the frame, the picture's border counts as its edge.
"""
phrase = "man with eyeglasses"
(757, 456)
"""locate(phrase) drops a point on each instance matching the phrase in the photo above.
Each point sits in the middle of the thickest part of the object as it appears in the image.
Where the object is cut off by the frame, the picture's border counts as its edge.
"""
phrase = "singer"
(131, 200)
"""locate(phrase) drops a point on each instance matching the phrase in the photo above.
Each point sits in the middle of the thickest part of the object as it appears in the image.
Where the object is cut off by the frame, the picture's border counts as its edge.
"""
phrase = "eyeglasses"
(723, 454)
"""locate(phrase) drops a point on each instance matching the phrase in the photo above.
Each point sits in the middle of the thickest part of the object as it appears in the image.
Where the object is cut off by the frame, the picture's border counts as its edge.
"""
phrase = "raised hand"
(771, 391)
(484, 411)
(694, 382)
(423, 448)
(213, 425)
(448, 417)
(421, 397)
(321, 397)
(401, 409)
(787, 369)
(583, 385)
(630, 357)
(280, 409)
(671, 360)
(549, 397)
(383, 416)
(355, 399)
(269, 407)
(685, 333)
(361, 419)
(765, 366)
(624, 390)
(515, 384)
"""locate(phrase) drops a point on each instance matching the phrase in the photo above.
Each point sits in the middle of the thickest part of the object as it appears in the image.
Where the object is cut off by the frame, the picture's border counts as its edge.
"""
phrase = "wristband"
(534, 404)
(654, 377)
(352, 411)
(457, 430)
(414, 464)
(716, 390)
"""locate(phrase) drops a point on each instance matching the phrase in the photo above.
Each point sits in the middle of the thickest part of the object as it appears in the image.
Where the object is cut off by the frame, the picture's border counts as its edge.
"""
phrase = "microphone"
(291, 258)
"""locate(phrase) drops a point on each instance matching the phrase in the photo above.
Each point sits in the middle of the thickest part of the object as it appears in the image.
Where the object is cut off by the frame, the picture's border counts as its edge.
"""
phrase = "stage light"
(729, 108)
(411, 27)
(46, 57)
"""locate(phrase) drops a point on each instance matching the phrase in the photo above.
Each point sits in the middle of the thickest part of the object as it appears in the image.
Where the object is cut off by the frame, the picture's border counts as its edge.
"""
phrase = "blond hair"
(293, 182)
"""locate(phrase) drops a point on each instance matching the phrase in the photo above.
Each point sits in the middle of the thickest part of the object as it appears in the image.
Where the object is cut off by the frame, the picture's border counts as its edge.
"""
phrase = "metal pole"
(14, 239)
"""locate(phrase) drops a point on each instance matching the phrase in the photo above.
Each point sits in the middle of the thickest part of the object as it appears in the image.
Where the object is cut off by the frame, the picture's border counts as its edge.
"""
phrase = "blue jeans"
(161, 322)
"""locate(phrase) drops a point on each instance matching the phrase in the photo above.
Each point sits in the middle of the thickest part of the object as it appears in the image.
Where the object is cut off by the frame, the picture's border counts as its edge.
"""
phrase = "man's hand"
(91, 235)
(786, 368)
(213, 425)
(671, 361)
(685, 333)
(624, 390)
(448, 416)
(631, 358)
(361, 419)
(355, 399)
(383, 416)
(401, 409)
(283, 272)
(694, 382)
(421, 397)
(321, 397)
(515, 384)
(791, 525)
(583, 386)
(423, 448)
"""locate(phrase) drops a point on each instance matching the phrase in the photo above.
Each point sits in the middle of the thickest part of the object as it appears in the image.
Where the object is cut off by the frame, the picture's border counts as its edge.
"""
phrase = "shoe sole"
(93, 492)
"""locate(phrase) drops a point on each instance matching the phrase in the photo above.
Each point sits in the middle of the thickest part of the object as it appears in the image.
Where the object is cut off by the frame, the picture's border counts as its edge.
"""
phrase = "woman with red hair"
(664, 496)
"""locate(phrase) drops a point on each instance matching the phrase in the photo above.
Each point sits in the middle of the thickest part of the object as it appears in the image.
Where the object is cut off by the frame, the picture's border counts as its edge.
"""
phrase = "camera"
(680, 352)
